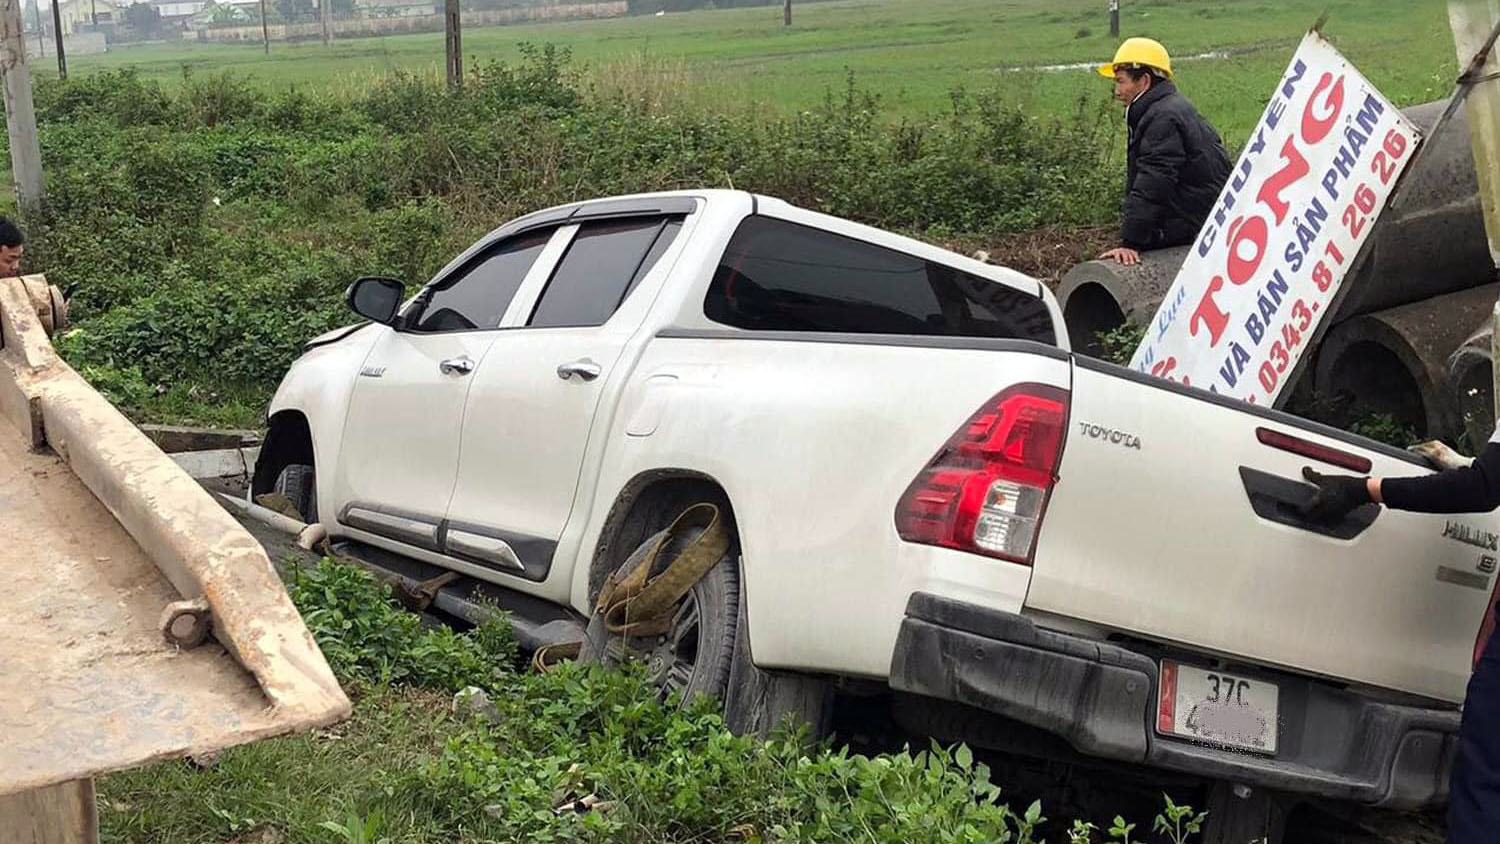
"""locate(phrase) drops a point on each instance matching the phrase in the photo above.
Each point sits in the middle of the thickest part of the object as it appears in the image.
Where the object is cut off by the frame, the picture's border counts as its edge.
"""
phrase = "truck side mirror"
(376, 298)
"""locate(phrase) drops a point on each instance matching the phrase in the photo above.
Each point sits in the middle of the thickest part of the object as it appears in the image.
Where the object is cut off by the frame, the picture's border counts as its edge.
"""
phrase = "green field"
(911, 52)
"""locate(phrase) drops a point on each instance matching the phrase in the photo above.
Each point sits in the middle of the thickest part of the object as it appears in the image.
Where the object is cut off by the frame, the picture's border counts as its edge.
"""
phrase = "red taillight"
(1313, 451)
(987, 488)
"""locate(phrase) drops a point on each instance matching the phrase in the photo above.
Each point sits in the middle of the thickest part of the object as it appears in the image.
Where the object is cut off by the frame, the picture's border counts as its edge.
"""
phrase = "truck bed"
(81, 607)
(105, 540)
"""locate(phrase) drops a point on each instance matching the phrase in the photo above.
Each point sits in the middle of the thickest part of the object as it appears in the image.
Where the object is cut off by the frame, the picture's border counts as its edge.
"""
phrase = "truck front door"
(532, 405)
(401, 438)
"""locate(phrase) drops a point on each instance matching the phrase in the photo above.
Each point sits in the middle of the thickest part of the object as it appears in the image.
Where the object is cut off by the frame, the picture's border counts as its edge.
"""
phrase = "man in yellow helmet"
(1175, 161)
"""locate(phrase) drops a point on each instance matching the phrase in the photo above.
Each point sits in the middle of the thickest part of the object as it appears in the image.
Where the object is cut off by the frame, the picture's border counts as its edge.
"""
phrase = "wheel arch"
(289, 441)
(646, 504)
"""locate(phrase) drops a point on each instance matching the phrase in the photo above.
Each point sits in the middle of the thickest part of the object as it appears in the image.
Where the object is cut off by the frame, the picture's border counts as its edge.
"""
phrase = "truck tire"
(299, 484)
(694, 657)
(756, 701)
(759, 701)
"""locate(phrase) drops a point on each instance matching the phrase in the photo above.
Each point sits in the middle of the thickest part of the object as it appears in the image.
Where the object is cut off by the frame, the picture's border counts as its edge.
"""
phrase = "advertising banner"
(1298, 208)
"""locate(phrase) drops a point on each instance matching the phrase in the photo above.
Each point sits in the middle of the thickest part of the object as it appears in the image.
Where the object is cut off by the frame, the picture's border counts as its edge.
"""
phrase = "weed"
(210, 229)
(357, 830)
(1178, 823)
(1383, 427)
(1120, 830)
(367, 637)
(403, 769)
(1118, 344)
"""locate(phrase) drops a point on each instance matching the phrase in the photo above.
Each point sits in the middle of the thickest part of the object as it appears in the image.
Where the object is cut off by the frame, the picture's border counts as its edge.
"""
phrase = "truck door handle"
(585, 369)
(461, 365)
(1280, 500)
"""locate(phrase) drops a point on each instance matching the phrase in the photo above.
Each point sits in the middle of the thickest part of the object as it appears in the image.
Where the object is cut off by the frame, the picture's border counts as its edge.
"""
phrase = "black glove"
(1337, 497)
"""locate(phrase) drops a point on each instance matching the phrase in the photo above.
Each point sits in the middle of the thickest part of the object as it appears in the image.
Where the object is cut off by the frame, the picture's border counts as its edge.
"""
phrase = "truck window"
(780, 276)
(476, 295)
(604, 263)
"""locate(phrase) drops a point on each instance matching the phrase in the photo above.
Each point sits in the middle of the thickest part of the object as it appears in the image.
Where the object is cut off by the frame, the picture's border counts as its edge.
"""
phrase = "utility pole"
(20, 113)
(57, 34)
(452, 27)
(786, 13)
(94, 13)
(1114, 18)
(265, 31)
(325, 8)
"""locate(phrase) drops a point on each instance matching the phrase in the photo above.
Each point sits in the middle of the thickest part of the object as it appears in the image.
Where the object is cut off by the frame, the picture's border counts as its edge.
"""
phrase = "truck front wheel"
(299, 484)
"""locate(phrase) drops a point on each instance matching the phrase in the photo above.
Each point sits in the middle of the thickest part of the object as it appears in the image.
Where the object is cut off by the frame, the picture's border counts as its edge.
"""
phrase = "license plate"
(1217, 708)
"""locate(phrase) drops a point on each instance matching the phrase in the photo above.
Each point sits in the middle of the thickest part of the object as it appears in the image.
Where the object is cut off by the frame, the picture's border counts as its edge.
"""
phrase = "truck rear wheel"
(712, 624)
(694, 656)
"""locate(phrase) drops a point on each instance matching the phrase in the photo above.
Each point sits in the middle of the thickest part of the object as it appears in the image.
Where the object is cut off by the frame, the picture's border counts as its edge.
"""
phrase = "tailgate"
(1172, 521)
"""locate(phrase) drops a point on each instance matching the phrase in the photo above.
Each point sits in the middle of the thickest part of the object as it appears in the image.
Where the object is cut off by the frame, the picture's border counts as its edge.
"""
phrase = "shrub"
(209, 231)
(367, 637)
(404, 770)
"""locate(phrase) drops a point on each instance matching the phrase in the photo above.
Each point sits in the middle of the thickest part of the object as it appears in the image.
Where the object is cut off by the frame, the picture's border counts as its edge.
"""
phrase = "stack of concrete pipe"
(1410, 337)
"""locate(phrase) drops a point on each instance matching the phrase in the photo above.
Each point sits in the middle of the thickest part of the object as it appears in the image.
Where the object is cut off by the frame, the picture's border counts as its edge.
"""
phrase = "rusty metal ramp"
(116, 564)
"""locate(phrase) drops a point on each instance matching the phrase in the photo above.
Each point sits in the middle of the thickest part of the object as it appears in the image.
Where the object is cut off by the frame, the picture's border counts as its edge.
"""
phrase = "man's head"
(1131, 81)
(1139, 64)
(12, 248)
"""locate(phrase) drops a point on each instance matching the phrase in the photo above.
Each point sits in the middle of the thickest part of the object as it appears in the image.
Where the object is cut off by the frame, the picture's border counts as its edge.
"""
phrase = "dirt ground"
(1045, 254)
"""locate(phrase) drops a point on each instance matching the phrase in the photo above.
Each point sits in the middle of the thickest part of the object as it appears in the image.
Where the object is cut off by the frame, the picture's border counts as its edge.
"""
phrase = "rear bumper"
(1101, 699)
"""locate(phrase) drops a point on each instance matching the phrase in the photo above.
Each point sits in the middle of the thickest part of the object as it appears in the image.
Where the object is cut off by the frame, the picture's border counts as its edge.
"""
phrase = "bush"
(209, 231)
(367, 637)
(403, 769)
(1118, 344)
(119, 96)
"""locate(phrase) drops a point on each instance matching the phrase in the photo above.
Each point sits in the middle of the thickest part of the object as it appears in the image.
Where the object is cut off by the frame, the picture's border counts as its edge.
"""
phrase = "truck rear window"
(779, 276)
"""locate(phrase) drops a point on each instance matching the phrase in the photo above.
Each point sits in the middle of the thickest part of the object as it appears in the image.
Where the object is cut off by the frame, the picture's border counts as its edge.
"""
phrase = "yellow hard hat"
(1139, 51)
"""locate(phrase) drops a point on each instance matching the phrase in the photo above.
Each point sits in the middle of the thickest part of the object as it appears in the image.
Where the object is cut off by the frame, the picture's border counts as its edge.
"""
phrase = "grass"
(403, 769)
(912, 52)
(288, 787)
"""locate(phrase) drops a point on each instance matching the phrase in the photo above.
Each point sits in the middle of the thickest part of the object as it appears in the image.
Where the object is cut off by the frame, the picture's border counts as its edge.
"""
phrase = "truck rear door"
(1175, 519)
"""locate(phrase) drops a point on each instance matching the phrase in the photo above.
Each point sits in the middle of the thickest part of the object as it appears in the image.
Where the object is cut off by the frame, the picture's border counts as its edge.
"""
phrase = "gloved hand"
(1337, 496)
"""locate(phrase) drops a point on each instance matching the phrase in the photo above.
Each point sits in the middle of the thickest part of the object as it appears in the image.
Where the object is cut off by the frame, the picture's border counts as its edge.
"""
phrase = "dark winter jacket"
(1175, 167)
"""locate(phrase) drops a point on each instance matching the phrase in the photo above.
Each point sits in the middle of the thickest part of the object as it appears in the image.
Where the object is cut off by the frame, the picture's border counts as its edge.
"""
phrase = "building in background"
(84, 15)
(396, 8)
(175, 14)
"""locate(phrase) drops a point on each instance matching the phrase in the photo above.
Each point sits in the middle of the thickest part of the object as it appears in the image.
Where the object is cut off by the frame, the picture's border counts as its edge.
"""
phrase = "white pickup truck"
(927, 490)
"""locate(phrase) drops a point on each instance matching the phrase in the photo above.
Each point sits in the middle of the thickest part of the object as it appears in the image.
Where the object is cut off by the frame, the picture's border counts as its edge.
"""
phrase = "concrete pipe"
(1431, 238)
(1396, 361)
(1471, 372)
(1098, 296)
(1431, 242)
